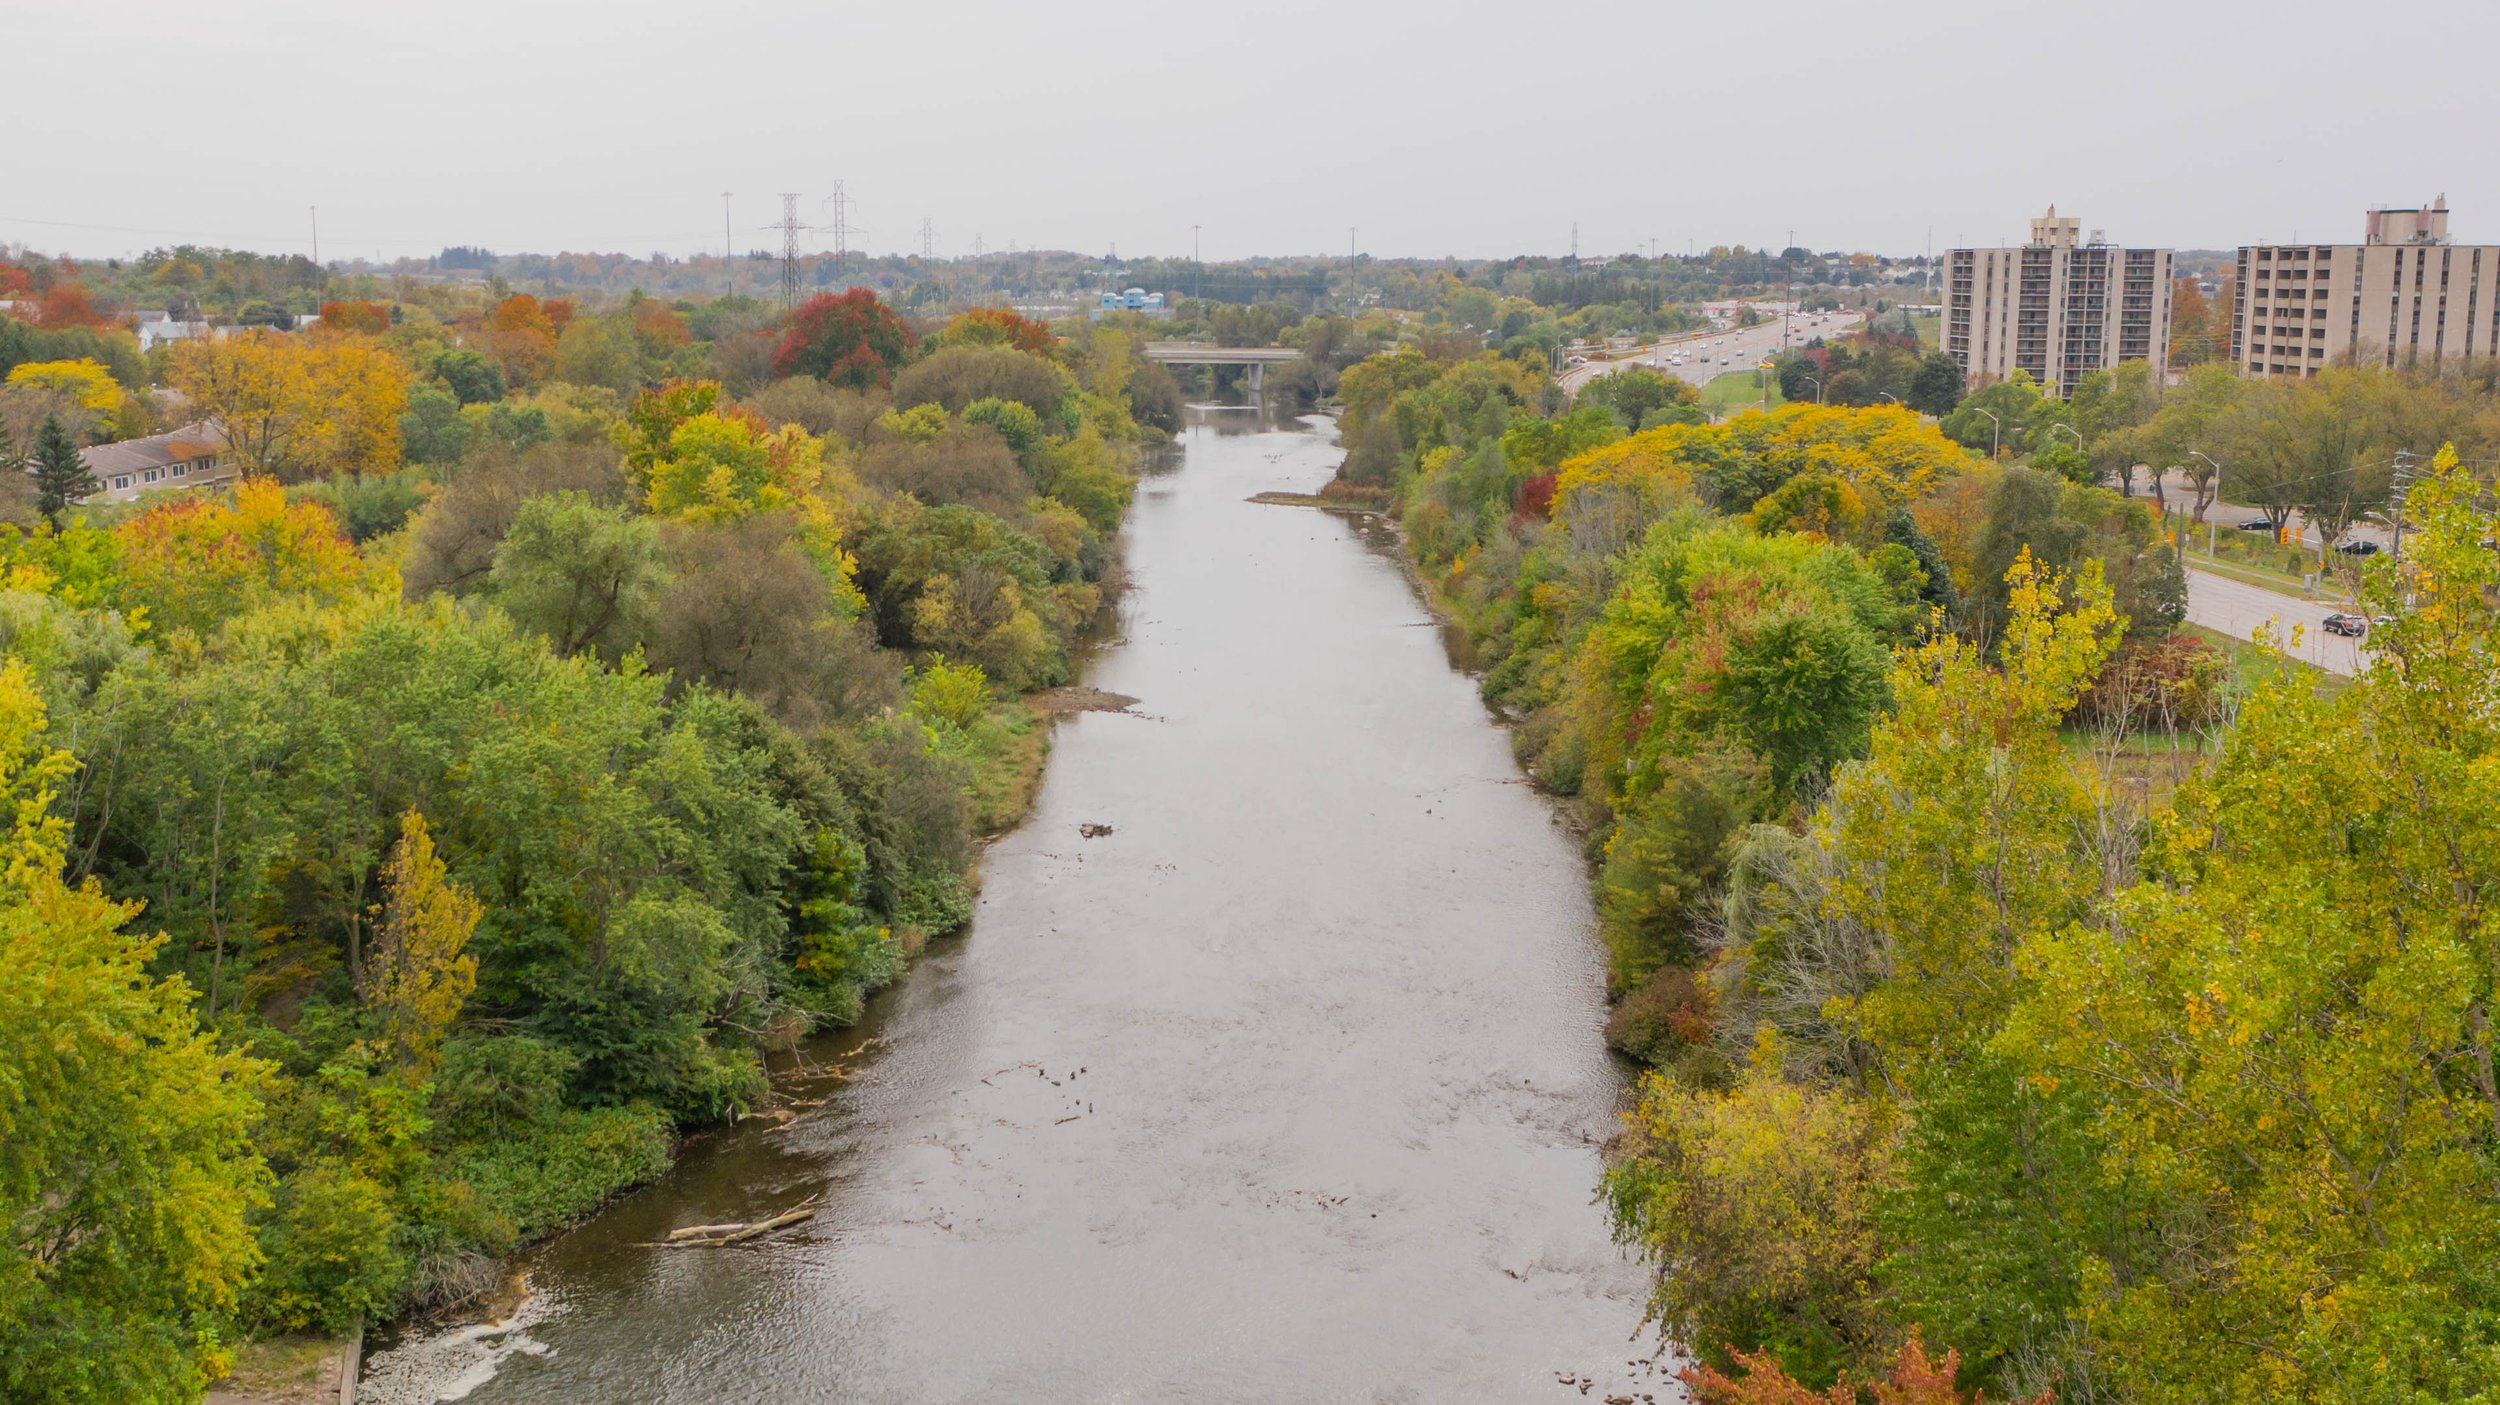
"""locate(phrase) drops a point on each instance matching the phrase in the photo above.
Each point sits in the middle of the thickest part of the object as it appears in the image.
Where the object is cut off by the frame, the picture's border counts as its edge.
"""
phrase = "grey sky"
(1463, 127)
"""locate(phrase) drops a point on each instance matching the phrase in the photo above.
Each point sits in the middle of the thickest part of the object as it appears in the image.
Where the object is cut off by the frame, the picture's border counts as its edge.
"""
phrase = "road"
(2232, 607)
(1742, 350)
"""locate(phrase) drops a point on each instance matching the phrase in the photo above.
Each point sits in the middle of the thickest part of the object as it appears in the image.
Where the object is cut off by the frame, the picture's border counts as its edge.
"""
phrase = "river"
(1289, 1088)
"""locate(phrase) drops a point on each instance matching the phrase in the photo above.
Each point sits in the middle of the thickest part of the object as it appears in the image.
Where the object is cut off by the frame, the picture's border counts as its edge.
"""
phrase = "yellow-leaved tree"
(126, 1174)
(297, 408)
(420, 971)
(2287, 1028)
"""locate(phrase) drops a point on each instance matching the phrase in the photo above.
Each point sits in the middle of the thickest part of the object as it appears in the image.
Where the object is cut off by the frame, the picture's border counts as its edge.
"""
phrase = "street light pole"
(1996, 433)
(1818, 386)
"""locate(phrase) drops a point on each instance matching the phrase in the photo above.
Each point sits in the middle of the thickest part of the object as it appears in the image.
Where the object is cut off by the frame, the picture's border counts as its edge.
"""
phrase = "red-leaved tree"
(850, 339)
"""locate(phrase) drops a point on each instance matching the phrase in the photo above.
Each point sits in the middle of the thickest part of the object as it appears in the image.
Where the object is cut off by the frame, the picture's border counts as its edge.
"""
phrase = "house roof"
(193, 441)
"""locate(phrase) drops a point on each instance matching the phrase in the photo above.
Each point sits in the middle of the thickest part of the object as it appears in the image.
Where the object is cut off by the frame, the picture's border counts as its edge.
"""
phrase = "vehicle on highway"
(2349, 626)
(2256, 524)
(2359, 548)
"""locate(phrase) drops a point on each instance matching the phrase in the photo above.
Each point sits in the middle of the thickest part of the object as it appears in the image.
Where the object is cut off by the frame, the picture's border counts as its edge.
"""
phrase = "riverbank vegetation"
(570, 705)
(1961, 1026)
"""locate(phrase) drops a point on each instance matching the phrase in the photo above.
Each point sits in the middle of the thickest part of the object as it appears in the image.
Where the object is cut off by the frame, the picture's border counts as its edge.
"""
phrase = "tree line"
(405, 845)
(1969, 1028)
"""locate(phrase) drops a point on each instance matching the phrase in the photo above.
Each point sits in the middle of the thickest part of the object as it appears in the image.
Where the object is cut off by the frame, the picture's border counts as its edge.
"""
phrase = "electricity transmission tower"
(841, 229)
(790, 228)
(928, 238)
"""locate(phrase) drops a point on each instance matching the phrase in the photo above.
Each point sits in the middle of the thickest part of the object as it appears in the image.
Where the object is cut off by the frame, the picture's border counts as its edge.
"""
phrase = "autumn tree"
(194, 561)
(2287, 1025)
(294, 409)
(2200, 327)
(126, 1172)
(850, 339)
(367, 318)
(67, 305)
(997, 326)
(419, 970)
(521, 337)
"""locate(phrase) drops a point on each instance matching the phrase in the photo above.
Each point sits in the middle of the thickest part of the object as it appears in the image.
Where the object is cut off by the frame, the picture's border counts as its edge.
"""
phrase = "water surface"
(1287, 1089)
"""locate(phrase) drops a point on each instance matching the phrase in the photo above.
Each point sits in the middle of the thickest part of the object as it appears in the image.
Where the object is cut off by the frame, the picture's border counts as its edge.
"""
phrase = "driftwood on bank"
(710, 1236)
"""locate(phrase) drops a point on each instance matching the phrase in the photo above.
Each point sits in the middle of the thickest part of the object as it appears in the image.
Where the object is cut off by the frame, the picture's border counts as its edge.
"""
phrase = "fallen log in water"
(708, 1236)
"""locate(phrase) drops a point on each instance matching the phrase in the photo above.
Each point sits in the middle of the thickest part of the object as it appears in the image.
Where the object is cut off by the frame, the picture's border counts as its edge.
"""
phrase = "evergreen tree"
(61, 477)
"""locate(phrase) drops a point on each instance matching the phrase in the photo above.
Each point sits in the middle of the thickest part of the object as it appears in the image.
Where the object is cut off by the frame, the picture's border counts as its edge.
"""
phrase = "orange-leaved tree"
(193, 562)
(998, 326)
(1912, 1379)
(356, 315)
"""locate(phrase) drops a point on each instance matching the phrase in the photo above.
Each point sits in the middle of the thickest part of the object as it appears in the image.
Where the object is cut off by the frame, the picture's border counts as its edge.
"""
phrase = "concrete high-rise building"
(2059, 307)
(2403, 296)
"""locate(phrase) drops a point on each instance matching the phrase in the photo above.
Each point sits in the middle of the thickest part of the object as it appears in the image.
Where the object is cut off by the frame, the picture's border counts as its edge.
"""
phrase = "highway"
(1742, 349)
(2235, 608)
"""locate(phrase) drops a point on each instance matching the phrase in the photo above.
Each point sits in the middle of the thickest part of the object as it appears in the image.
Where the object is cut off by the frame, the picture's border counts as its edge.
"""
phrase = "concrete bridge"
(1190, 353)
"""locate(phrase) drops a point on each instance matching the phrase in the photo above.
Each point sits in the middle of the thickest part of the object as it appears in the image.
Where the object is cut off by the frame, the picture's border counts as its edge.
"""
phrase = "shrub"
(333, 1259)
(955, 694)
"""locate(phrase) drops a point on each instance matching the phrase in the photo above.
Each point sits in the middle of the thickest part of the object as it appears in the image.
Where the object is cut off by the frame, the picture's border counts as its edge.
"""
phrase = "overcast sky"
(1462, 127)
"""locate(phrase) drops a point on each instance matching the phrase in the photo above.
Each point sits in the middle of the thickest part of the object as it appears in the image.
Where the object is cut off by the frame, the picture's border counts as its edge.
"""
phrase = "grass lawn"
(1738, 390)
(1930, 329)
(2251, 663)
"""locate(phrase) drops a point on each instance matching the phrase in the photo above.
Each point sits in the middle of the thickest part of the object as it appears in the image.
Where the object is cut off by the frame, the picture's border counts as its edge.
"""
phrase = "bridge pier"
(1258, 379)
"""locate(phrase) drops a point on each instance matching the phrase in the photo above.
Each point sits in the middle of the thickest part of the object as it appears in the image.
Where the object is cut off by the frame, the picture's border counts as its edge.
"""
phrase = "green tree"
(125, 1170)
(61, 476)
(2286, 1026)
(1937, 387)
(433, 429)
(473, 377)
(587, 578)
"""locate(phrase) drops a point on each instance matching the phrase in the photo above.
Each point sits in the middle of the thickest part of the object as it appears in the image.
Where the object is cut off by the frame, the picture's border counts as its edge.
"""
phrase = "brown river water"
(1290, 1088)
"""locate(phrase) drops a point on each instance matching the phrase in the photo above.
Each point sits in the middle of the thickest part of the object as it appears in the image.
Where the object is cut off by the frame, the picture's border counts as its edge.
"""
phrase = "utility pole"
(316, 231)
(725, 237)
(1349, 244)
(1575, 246)
(1788, 291)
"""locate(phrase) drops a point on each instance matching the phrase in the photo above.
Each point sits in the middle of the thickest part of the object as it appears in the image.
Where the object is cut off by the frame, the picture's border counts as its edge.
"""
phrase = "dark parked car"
(2350, 626)
(2359, 548)
(2256, 524)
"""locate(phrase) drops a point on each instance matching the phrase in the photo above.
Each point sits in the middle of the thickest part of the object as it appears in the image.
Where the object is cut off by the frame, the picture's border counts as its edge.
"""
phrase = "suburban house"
(155, 327)
(193, 456)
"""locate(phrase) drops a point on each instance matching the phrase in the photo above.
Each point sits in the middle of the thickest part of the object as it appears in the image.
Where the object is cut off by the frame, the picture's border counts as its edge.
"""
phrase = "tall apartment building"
(2402, 296)
(2059, 307)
